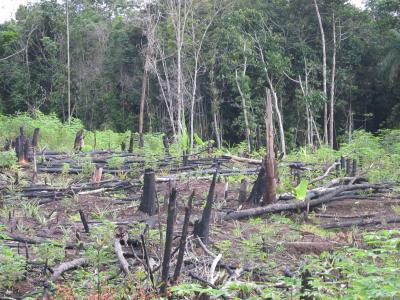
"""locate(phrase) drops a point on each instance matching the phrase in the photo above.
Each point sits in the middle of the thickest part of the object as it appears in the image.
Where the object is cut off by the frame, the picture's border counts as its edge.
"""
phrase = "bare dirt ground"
(284, 239)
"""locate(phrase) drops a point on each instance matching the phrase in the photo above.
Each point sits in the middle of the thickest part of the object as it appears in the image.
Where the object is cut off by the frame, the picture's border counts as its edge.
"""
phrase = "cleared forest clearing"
(77, 228)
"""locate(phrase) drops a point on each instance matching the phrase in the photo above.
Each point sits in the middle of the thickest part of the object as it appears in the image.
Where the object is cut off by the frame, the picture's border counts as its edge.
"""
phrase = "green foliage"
(12, 268)
(300, 191)
(369, 273)
(8, 159)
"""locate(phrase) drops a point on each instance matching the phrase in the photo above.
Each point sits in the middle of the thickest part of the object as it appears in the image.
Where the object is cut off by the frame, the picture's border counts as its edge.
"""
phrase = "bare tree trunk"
(279, 115)
(142, 100)
(332, 104)
(269, 160)
(321, 28)
(246, 121)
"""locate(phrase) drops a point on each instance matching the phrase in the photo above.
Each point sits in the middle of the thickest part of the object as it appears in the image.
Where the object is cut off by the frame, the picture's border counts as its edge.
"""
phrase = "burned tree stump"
(166, 144)
(354, 168)
(258, 189)
(202, 227)
(243, 191)
(185, 158)
(130, 148)
(35, 138)
(79, 141)
(97, 174)
(169, 236)
(348, 167)
(182, 242)
(22, 145)
(342, 163)
(147, 203)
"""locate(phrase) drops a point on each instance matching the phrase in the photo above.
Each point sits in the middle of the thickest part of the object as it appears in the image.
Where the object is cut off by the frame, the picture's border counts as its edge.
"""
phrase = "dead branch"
(66, 266)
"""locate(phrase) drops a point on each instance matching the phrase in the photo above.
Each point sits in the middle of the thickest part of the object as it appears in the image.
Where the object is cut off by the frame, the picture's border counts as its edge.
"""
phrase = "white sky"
(9, 7)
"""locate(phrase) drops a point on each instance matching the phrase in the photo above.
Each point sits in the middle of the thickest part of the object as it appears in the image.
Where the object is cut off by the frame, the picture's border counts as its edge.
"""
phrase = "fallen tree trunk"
(66, 266)
(297, 205)
(361, 222)
(27, 240)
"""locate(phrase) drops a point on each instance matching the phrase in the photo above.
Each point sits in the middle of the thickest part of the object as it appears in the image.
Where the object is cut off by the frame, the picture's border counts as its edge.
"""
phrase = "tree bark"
(147, 204)
(169, 235)
(269, 160)
(202, 227)
(182, 243)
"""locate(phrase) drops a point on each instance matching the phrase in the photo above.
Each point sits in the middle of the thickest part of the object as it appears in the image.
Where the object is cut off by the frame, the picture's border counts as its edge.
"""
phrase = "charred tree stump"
(306, 287)
(269, 161)
(26, 149)
(169, 235)
(84, 221)
(141, 140)
(166, 144)
(20, 143)
(182, 242)
(98, 173)
(342, 163)
(202, 227)
(354, 168)
(130, 148)
(185, 158)
(258, 189)
(210, 148)
(79, 141)
(147, 204)
(348, 167)
(243, 191)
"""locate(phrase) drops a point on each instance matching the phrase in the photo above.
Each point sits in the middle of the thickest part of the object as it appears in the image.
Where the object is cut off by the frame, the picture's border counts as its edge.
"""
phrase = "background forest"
(204, 65)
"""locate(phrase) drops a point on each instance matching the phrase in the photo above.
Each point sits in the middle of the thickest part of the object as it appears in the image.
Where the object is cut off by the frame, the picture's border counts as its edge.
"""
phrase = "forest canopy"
(202, 66)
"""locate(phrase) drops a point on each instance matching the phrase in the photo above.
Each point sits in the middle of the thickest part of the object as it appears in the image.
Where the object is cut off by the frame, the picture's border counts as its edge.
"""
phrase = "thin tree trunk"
(246, 121)
(279, 115)
(332, 104)
(68, 67)
(142, 100)
(321, 28)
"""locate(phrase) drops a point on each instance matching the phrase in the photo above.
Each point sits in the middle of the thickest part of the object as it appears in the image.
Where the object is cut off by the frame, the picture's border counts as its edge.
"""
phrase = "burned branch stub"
(79, 141)
(202, 227)
(269, 160)
(147, 203)
(169, 235)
